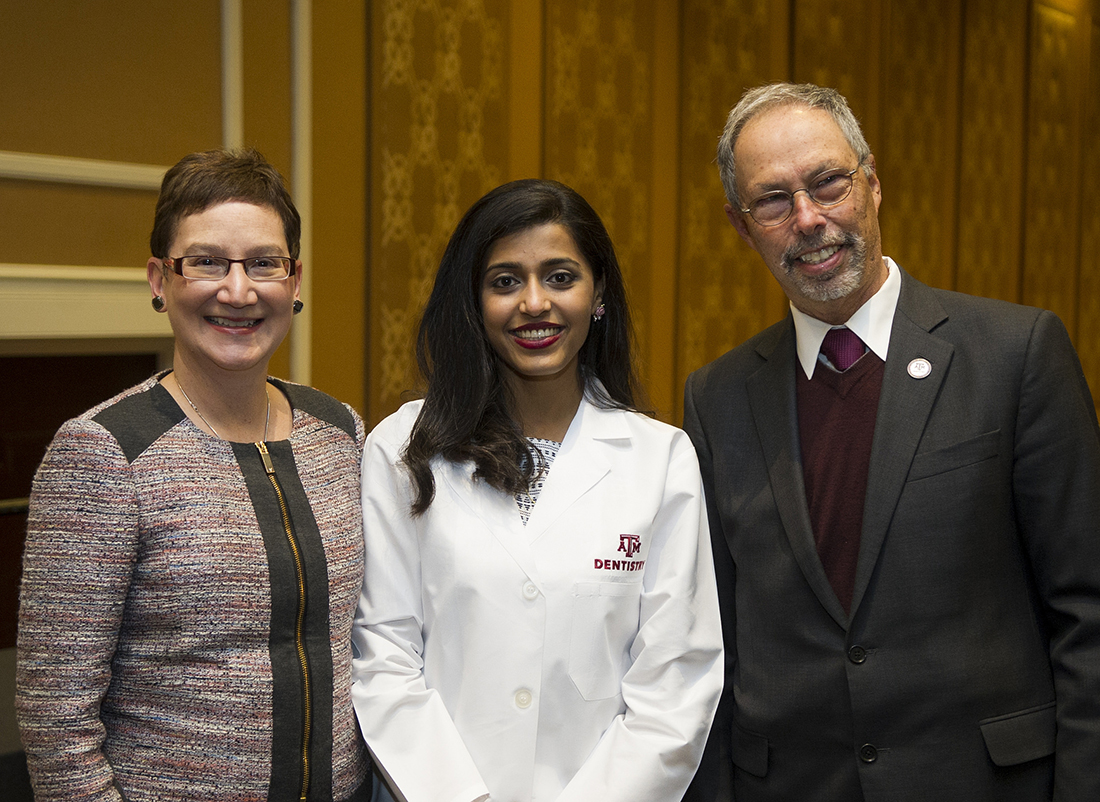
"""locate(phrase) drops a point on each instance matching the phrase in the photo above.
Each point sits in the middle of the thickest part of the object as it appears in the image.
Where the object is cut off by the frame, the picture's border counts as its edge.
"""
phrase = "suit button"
(868, 753)
(857, 654)
(530, 592)
(523, 699)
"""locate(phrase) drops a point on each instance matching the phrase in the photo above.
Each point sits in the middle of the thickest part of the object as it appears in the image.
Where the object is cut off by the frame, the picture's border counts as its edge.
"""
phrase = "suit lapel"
(772, 401)
(904, 405)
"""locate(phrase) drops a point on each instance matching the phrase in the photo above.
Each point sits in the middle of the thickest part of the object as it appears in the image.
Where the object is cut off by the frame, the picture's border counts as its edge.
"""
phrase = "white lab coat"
(576, 658)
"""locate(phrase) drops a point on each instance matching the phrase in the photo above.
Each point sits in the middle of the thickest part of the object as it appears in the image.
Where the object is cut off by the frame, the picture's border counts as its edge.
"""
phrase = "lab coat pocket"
(605, 621)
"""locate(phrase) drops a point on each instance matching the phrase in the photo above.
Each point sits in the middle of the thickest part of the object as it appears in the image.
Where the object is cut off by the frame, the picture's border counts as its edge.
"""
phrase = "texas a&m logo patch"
(629, 545)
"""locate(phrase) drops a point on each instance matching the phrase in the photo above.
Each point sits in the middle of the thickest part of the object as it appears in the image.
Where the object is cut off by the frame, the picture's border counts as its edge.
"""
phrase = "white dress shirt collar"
(871, 322)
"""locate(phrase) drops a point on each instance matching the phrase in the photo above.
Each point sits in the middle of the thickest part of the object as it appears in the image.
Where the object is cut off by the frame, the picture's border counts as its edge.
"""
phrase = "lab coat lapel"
(905, 403)
(496, 510)
(580, 464)
(771, 391)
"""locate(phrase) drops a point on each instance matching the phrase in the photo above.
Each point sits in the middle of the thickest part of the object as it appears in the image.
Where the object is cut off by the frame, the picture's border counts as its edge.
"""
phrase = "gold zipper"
(307, 724)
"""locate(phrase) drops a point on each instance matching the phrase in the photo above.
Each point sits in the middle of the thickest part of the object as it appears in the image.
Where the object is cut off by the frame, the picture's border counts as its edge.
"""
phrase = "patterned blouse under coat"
(158, 649)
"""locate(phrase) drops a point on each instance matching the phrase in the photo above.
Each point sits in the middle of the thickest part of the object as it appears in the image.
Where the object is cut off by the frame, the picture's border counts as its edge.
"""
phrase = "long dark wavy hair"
(467, 405)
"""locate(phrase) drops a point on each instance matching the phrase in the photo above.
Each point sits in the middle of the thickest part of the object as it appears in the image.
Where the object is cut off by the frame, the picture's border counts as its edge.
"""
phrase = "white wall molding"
(72, 170)
(63, 302)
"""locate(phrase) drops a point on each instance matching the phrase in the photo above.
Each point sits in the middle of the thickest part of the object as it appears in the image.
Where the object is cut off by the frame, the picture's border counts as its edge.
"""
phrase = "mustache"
(815, 242)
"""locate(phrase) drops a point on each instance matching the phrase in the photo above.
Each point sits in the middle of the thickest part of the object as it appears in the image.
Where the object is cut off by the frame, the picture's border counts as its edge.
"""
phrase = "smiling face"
(827, 259)
(233, 324)
(538, 294)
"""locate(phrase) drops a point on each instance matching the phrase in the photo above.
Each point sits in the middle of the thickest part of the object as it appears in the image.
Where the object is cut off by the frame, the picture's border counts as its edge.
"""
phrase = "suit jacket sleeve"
(1056, 486)
(713, 781)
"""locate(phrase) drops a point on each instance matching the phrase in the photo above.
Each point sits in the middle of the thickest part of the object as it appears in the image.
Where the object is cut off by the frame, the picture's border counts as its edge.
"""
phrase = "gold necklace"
(210, 426)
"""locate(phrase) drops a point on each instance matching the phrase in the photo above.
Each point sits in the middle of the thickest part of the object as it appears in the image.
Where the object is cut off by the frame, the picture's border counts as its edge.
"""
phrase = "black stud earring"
(158, 303)
(298, 305)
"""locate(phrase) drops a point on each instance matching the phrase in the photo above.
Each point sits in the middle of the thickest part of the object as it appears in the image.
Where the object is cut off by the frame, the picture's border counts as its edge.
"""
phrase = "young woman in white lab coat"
(538, 619)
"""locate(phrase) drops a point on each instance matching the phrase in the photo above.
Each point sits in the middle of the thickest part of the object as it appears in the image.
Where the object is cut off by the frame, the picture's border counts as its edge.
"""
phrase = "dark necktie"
(842, 347)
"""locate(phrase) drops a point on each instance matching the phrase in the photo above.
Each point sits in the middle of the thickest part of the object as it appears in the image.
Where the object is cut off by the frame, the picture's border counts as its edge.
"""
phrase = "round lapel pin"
(920, 368)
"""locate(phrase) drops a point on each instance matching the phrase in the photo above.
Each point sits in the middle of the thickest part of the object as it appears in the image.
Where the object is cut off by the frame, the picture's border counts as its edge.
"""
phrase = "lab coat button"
(523, 699)
(868, 753)
(857, 654)
(530, 592)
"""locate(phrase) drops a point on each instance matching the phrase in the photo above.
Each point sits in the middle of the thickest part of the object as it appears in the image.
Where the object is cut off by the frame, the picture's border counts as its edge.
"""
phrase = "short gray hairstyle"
(764, 98)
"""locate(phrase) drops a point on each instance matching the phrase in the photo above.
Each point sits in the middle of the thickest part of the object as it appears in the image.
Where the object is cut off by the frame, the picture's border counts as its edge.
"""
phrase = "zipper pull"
(266, 457)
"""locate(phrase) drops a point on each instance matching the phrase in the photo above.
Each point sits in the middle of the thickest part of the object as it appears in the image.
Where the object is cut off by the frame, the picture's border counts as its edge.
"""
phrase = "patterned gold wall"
(723, 292)
(917, 156)
(1088, 290)
(991, 151)
(598, 124)
(977, 113)
(439, 141)
(1052, 188)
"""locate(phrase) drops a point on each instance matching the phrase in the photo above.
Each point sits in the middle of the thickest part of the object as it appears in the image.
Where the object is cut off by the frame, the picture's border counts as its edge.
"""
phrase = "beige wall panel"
(725, 291)
(138, 83)
(598, 127)
(836, 43)
(991, 159)
(1088, 326)
(266, 101)
(439, 140)
(340, 265)
(68, 224)
(267, 80)
(130, 80)
(916, 151)
(1053, 147)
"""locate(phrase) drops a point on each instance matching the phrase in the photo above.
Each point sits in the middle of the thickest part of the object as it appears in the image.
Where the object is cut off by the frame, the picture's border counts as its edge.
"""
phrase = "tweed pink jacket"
(160, 651)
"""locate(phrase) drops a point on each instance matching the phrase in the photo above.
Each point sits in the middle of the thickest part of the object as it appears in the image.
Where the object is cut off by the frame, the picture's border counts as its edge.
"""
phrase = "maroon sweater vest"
(836, 423)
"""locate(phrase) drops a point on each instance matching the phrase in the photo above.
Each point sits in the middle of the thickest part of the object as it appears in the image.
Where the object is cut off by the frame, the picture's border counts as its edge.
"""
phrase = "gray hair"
(770, 96)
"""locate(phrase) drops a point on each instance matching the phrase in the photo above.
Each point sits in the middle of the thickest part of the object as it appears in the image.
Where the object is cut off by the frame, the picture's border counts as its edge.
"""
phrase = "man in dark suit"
(904, 495)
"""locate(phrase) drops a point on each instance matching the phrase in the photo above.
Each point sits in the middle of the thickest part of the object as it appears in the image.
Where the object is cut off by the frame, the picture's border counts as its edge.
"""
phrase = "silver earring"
(298, 305)
(599, 313)
(158, 303)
